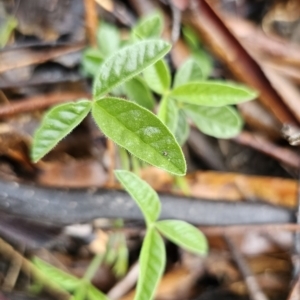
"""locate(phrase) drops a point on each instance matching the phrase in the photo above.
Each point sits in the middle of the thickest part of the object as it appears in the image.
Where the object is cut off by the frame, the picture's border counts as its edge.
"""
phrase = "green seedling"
(148, 137)
(153, 255)
(81, 288)
(128, 124)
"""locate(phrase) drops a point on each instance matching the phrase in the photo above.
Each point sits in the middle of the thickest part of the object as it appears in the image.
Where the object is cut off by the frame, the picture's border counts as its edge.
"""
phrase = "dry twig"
(30, 270)
(38, 102)
(91, 20)
(254, 289)
(237, 229)
(127, 283)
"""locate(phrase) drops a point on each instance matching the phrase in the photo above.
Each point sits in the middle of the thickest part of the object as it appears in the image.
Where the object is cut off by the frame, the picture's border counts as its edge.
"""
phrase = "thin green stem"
(93, 267)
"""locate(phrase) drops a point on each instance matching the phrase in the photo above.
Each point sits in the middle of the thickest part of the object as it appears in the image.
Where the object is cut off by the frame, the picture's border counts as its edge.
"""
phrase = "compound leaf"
(140, 132)
(56, 124)
(158, 77)
(142, 193)
(126, 63)
(184, 235)
(168, 113)
(189, 71)
(138, 91)
(182, 130)
(150, 26)
(64, 280)
(152, 263)
(209, 93)
(220, 122)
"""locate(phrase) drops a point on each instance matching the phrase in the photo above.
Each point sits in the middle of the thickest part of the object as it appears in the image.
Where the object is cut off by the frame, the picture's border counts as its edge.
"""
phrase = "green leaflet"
(108, 38)
(150, 26)
(94, 294)
(140, 132)
(209, 93)
(220, 122)
(61, 278)
(68, 282)
(91, 60)
(189, 71)
(126, 63)
(198, 54)
(142, 193)
(7, 27)
(152, 263)
(158, 77)
(81, 291)
(138, 91)
(205, 62)
(182, 130)
(56, 124)
(168, 113)
(191, 38)
(184, 235)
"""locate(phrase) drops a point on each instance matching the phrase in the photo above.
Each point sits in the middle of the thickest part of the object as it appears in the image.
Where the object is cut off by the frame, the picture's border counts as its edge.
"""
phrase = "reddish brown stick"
(238, 229)
(39, 102)
(261, 144)
(91, 20)
(227, 48)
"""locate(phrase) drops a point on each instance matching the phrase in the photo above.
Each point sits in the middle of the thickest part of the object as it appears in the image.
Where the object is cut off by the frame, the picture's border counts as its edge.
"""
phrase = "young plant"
(115, 255)
(193, 97)
(81, 288)
(128, 124)
(146, 136)
(153, 255)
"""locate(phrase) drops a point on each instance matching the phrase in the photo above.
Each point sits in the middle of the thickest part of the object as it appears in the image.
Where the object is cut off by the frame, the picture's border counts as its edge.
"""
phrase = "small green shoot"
(153, 257)
(80, 287)
(129, 125)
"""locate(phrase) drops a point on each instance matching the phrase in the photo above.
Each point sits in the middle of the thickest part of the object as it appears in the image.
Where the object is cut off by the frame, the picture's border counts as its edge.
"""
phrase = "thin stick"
(254, 289)
(176, 21)
(126, 284)
(91, 20)
(31, 270)
(12, 275)
(38, 102)
(285, 155)
(236, 229)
